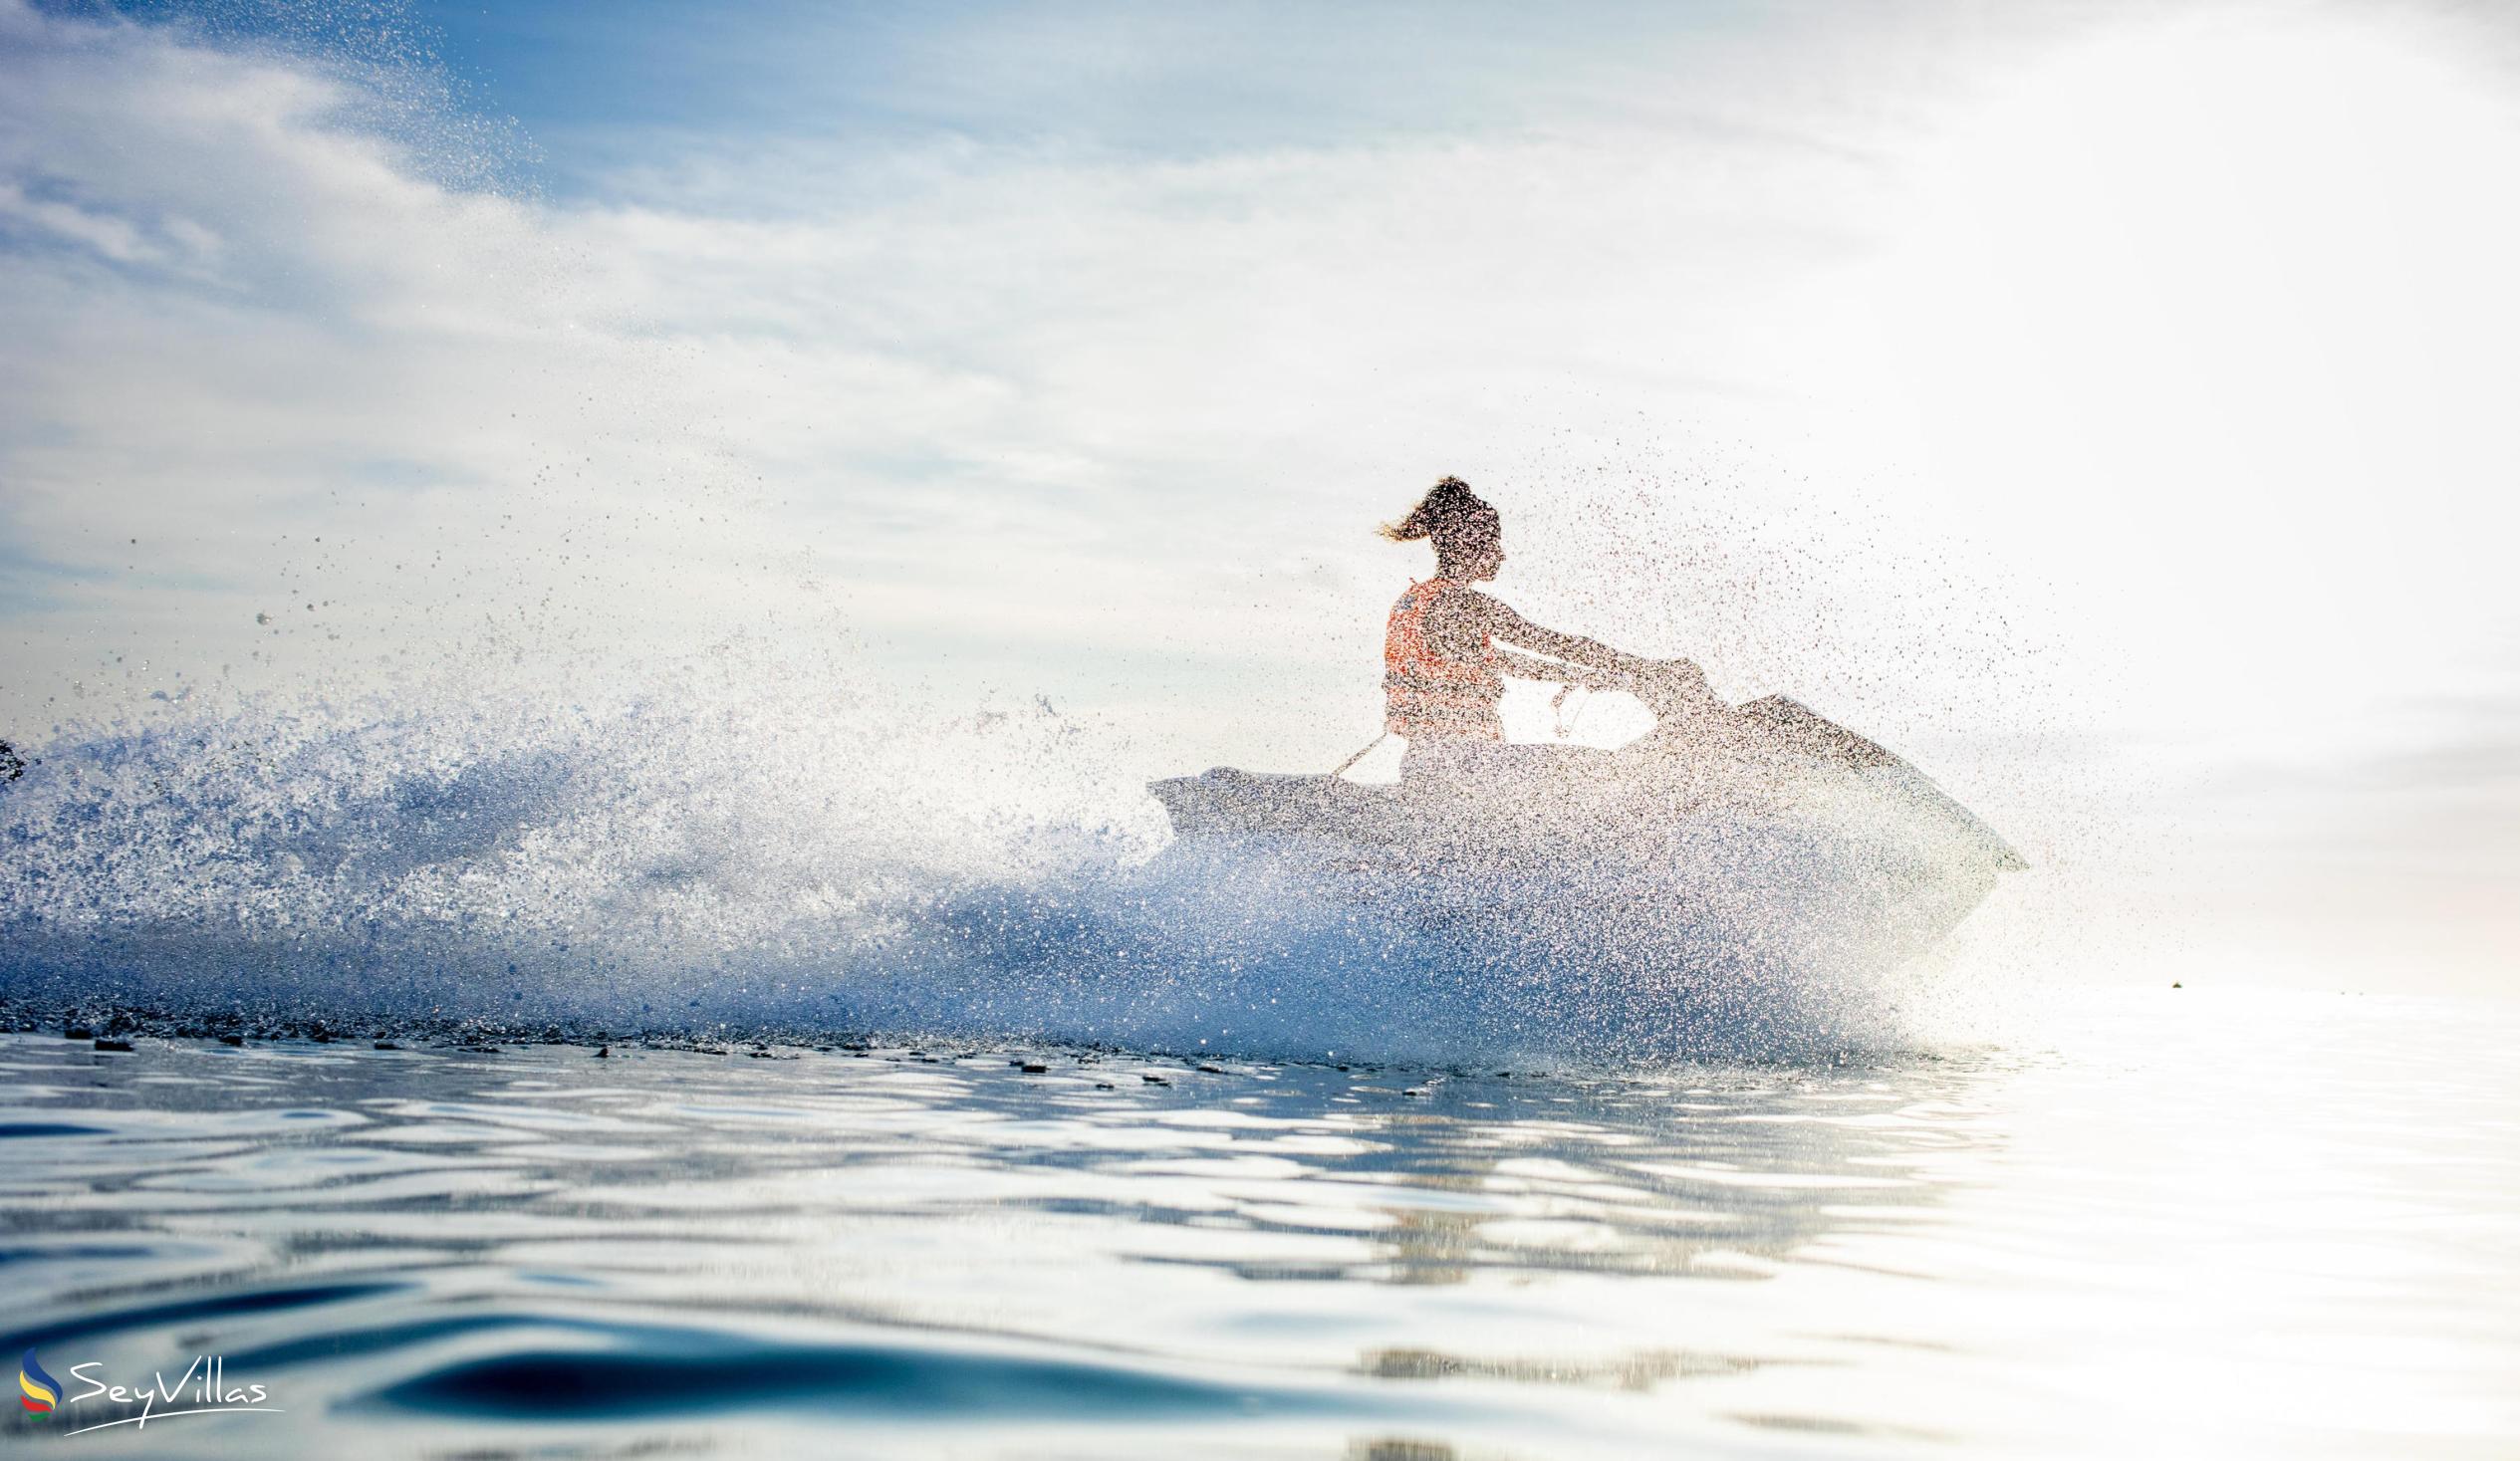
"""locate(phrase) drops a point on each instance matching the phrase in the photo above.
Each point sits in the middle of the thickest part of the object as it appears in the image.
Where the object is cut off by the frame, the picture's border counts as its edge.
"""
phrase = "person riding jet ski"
(1720, 818)
(1443, 673)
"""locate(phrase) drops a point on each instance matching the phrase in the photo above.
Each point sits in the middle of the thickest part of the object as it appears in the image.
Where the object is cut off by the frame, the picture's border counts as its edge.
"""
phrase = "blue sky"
(1145, 80)
(2101, 401)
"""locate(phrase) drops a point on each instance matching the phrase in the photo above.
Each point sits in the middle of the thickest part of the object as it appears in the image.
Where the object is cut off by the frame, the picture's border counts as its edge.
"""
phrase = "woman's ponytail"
(1448, 507)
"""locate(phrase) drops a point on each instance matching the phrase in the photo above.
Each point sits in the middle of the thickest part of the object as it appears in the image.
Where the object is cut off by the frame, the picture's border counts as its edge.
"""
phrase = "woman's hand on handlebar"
(1639, 670)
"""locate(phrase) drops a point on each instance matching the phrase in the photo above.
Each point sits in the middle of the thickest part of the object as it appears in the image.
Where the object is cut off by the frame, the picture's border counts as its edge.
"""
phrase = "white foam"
(769, 845)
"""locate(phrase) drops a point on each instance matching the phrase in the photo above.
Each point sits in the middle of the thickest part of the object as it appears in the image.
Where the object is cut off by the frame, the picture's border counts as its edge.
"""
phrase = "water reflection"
(429, 1252)
(421, 1243)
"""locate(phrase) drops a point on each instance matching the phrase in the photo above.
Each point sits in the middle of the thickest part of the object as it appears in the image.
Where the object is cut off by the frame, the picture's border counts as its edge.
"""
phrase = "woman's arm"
(1493, 618)
(1560, 672)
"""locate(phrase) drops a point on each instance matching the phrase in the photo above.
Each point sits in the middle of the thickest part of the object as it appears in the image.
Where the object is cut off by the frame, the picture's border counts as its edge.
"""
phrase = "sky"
(2107, 404)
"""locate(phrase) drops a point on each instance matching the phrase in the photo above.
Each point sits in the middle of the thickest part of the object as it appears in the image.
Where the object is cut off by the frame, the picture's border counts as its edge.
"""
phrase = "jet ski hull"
(1775, 839)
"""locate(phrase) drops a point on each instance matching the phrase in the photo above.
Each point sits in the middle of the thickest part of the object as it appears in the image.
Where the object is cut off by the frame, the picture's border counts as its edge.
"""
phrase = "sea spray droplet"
(764, 847)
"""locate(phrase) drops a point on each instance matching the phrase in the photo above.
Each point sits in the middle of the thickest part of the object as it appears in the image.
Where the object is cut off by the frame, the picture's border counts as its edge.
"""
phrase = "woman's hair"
(1450, 513)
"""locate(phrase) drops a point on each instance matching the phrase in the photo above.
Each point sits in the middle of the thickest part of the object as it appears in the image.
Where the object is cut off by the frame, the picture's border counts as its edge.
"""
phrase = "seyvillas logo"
(37, 1392)
(203, 1389)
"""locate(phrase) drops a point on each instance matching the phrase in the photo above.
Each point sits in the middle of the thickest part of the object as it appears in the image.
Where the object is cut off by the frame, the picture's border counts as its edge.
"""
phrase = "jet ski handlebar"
(1674, 688)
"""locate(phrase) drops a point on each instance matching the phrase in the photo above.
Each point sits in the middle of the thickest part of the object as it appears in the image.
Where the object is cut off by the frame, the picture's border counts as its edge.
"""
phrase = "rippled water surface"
(2197, 1225)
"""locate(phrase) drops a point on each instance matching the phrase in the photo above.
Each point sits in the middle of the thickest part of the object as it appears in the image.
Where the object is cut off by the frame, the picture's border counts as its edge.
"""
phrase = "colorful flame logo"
(38, 1391)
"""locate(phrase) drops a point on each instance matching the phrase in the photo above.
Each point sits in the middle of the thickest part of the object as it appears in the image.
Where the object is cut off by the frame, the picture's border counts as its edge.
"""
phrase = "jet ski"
(1729, 836)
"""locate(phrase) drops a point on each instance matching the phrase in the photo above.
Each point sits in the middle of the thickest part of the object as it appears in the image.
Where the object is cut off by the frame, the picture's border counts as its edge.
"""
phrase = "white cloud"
(961, 390)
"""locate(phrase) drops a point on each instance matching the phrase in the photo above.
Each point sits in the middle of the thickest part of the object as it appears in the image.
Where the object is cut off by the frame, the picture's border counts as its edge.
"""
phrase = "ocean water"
(767, 1081)
(2179, 1222)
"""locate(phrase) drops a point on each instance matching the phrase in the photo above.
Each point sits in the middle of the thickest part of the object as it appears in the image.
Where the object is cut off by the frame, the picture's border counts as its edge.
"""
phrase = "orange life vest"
(1427, 696)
